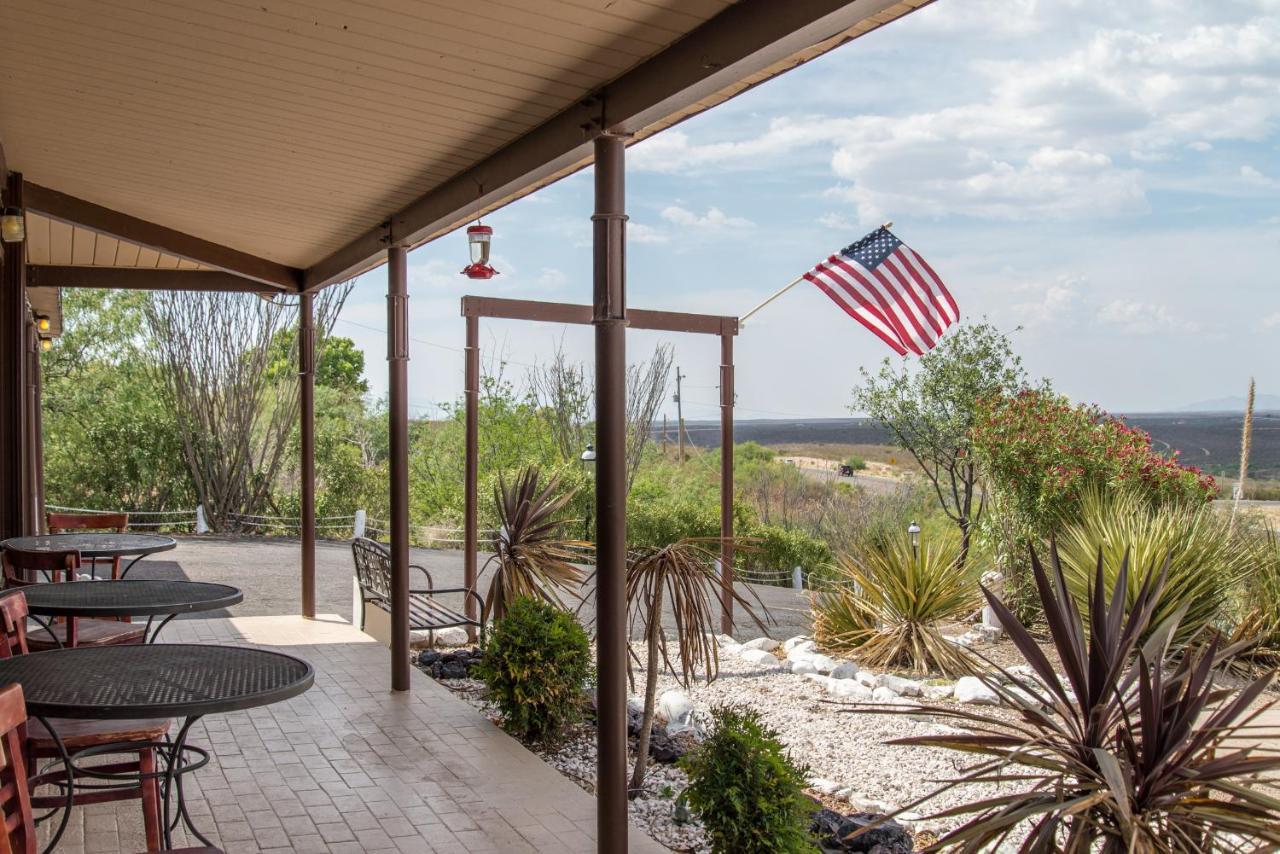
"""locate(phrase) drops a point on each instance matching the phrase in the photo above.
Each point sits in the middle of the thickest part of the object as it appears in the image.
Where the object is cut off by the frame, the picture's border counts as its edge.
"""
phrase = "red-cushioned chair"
(39, 744)
(60, 523)
(22, 568)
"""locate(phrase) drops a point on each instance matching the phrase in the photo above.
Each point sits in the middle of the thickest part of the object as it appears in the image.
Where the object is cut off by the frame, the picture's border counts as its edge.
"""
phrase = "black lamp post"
(588, 459)
(913, 530)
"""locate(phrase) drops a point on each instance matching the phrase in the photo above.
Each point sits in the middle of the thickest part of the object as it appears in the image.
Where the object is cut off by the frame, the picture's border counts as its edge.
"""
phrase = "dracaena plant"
(1135, 748)
(531, 555)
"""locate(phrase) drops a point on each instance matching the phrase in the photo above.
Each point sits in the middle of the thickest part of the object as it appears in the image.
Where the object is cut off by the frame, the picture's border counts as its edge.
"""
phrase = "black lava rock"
(834, 831)
(667, 749)
(455, 664)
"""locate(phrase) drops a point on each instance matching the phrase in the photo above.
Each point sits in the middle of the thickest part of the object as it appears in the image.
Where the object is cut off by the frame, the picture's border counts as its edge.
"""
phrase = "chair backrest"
(61, 522)
(23, 567)
(13, 623)
(373, 566)
(19, 835)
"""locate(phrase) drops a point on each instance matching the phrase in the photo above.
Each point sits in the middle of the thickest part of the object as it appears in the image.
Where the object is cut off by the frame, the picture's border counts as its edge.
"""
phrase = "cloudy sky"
(1102, 177)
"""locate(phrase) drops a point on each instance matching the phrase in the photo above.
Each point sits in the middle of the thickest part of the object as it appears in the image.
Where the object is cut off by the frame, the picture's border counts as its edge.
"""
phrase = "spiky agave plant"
(1134, 749)
(889, 602)
(681, 578)
(531, 556)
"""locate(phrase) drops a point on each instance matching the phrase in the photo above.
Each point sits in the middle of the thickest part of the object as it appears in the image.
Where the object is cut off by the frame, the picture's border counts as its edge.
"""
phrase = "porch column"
(398, 422)
(726, 481)
(307, 465)
(609, 317)
(472, 473)
(13, 380)
(38, 449)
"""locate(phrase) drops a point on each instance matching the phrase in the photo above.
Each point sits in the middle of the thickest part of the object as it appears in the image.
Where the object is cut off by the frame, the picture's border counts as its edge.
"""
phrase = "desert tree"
(929, 411)
(213, 354)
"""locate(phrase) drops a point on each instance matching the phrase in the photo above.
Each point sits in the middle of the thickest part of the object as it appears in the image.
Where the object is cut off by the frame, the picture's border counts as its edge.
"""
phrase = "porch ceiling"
(304, 133)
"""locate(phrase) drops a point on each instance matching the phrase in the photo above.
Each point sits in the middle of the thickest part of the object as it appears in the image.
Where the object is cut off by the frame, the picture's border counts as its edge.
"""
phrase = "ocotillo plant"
(1246, 440)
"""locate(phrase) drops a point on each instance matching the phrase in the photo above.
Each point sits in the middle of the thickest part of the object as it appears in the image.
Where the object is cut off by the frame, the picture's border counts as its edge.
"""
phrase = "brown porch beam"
(141, 279)
(745, 39)
(563, 312)
(70, 209)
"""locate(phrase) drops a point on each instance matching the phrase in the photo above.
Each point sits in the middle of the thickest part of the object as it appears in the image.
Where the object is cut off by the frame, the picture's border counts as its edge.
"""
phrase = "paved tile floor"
(351, 767)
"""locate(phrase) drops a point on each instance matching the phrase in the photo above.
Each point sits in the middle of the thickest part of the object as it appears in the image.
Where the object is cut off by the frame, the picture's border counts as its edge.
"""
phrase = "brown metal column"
(307, 465)
(13, 321)
(39, 443)
(470, 496)
(30, 438)
(726, 482)
(609, 316)
(398, 421)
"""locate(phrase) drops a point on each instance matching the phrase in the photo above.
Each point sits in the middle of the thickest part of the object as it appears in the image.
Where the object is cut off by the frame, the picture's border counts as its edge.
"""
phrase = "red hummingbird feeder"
(478, 239)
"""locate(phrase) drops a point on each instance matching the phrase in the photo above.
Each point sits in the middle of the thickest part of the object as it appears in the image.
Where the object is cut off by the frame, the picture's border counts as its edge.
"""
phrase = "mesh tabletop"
(128, 598)
(95, 544)
(154, 681)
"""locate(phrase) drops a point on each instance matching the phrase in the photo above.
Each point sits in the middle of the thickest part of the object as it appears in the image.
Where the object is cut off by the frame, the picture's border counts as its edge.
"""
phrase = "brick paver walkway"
(351, 767)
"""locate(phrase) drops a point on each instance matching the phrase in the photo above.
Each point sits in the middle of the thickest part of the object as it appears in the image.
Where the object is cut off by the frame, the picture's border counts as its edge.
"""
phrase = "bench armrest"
(430, 581)
(467, 590)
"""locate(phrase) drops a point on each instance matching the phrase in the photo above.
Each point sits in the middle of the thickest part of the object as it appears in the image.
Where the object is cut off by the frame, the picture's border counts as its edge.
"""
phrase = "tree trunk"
(650, 687)
(966, 535)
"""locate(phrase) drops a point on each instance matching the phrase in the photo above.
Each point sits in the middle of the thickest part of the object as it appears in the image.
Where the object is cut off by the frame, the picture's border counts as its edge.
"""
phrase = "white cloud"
(714, 221)
(638, 232)
(1056, 304)
(1271, 321)
(1257, 178)
(838, 222)
(1142, 318)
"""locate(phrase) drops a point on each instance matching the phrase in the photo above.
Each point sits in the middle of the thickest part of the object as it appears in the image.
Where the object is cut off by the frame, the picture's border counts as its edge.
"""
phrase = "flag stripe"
(911, 286)
(857, 315)
(922, 281)
(895, 311)
(852, 296)
(909, 303)
(937, 280)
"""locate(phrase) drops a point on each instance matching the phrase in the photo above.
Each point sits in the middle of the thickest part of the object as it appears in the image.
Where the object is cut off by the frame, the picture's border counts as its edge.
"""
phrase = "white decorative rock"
(847, 689)
(866, 677)
(824, 663)
(844, 670)
(884, 695)
(794, 642)
(818, 679)
(825, 786)
(725, 640)
(938, 692)
(802, 668)
(731, 649)
(675, 707)
(766, 644)
(898, 685)
(800, 654)
(971, 689)
(759, 657)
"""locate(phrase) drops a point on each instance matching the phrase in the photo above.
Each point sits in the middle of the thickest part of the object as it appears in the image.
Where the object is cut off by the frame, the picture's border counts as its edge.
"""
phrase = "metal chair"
(59, 523)
(373, 574)
(38, 743)
(22, 568)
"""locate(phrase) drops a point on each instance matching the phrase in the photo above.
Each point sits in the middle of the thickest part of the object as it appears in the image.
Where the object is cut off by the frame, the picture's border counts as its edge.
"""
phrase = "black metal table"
(150, 599)
(185, 681)
(97, 545)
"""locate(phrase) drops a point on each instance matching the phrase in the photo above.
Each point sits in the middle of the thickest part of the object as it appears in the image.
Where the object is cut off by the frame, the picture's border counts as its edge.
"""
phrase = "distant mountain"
(1262, 403)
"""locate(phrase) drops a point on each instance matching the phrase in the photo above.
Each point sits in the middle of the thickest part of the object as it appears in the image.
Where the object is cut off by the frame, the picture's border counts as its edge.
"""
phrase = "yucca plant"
(531, 556)
(680, 578)
(1205, 562)
(1259, 626)
(1134, 749)
(888, 604)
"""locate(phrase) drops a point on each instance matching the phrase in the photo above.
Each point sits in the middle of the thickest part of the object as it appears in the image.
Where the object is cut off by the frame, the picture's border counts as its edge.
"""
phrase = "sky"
(1101, 180)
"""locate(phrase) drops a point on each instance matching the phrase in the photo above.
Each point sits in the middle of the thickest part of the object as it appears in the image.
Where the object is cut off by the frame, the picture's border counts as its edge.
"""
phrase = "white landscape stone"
(825, 786)
(800, 654)
(884, 694)
(675, 707)
(731, 649)
(760, 657)
(938, 692)
(802, 668)
(792, 643)
(824, 663)
(847, 689)
(725, 640)
(898, 685)
(971, 689)
(766, 644)
(844, 670)
(866, 677)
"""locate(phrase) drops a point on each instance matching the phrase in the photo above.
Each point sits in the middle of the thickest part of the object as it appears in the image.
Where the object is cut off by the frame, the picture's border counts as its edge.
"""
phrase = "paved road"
(268, 571)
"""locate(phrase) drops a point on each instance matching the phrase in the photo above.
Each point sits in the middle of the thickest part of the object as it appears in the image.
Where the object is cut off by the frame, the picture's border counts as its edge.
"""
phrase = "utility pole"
(664, 435)
(679, 415)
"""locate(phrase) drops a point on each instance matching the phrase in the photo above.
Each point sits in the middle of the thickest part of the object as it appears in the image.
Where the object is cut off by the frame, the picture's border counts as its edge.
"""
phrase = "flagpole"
(797, 280)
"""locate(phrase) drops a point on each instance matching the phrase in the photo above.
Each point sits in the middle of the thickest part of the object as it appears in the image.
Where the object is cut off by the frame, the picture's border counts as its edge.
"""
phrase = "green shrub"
(747, 791)
(889, 602)
(1205, 561)
(855, 462)
(535, 664)
(772, 547)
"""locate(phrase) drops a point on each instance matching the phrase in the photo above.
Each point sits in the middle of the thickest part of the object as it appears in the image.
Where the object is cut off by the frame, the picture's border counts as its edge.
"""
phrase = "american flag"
(881, 283)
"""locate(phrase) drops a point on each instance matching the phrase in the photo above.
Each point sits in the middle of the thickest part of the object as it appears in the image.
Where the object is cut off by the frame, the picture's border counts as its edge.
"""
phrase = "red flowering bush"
(1040, 453)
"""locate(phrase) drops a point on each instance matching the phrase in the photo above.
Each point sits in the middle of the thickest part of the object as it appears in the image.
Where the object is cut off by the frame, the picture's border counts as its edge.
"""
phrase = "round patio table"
(150, 599)
(97, 545)
(185, 681)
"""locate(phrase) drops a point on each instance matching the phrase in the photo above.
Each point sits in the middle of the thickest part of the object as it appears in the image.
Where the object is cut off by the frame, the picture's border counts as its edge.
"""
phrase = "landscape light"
(913, 530)
(589, 455)
(478, 239)
(13, 226)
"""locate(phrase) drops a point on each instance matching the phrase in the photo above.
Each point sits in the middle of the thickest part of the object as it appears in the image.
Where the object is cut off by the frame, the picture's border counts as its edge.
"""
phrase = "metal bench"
(426, 613)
